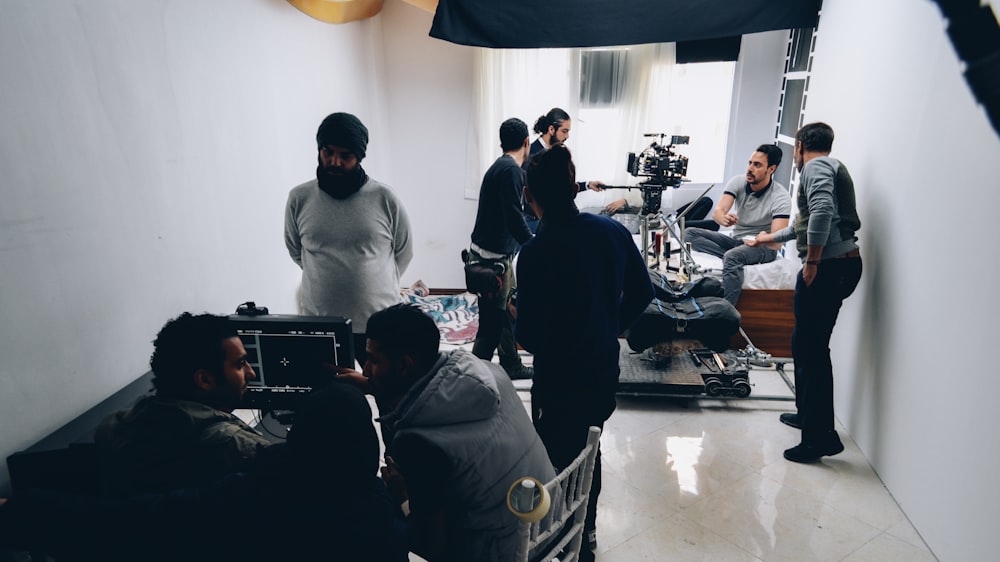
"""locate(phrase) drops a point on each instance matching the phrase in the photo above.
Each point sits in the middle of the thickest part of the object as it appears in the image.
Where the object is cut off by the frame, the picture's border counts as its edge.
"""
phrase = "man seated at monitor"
(762, 205)
(185, 435)
(315, 497)
(456, 434)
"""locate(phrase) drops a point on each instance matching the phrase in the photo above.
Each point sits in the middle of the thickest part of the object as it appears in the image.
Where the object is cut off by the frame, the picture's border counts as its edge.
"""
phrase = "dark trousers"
(496, 324)
(563, 429)
(816, 310)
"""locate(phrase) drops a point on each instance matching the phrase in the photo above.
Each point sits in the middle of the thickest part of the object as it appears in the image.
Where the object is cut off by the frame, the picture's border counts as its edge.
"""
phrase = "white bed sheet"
(779, 274)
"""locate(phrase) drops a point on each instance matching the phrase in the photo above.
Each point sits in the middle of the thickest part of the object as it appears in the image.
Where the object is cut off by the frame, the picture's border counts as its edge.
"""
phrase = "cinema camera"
(661, 165)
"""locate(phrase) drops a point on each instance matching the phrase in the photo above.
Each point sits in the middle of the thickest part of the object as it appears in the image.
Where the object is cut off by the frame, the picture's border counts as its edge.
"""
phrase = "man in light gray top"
(348, 232)
(763, 205)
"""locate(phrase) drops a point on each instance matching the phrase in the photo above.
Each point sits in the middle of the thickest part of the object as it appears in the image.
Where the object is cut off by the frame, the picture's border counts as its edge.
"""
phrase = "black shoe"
(521, 373)
(811, 453)
(791, 419)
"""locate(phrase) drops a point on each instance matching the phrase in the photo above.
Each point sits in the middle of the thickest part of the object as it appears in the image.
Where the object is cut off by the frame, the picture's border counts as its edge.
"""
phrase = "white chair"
(551, 526)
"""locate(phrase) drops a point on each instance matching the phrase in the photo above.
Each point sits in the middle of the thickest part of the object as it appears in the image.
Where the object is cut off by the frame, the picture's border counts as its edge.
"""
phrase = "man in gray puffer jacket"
(456, 432)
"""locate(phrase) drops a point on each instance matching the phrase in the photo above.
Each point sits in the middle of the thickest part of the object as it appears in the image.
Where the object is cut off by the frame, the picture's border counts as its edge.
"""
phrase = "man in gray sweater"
(825, 235)
(348, 232)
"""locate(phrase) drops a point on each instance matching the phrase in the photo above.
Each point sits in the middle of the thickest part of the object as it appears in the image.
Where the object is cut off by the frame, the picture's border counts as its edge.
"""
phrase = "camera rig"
(661, 166)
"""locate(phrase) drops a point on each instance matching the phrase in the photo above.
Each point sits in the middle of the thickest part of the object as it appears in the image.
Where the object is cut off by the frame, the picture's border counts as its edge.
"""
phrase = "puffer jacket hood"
(459, 388)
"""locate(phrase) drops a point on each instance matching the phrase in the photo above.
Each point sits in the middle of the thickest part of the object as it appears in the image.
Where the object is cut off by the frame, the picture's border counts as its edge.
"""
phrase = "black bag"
(669, 291)
(711, 320)
(483, 277)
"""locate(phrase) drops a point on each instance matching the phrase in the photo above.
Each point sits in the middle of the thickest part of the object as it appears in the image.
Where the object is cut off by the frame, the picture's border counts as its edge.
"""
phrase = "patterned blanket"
(456, 315)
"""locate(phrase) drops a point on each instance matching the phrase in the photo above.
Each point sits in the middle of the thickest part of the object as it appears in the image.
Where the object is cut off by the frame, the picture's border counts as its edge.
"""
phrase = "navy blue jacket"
(500, 226)
(581, 283)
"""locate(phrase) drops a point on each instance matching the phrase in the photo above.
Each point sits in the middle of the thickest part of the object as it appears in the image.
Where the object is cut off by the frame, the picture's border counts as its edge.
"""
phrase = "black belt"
(851, 254)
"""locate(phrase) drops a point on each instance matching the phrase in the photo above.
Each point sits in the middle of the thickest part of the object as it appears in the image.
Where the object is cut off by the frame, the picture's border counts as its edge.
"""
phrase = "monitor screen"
(289, 351)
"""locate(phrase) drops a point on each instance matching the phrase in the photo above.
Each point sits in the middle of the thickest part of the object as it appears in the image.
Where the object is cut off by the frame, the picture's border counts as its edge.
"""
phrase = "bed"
(768, 289)
(765, 303)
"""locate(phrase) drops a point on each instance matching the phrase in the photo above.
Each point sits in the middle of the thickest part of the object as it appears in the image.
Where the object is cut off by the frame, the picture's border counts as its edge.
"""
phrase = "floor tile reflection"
(706, 480)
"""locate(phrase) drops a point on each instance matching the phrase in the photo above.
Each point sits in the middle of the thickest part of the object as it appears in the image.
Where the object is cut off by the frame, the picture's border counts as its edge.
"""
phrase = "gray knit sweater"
(352, 251)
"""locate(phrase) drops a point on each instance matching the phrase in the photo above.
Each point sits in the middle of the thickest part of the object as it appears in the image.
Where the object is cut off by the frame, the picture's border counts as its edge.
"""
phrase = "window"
(614, 97)
(601, 81)
(792, 105)
(656, 97)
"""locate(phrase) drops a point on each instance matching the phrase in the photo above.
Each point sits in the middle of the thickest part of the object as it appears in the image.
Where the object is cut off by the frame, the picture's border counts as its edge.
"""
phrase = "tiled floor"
(705, 480)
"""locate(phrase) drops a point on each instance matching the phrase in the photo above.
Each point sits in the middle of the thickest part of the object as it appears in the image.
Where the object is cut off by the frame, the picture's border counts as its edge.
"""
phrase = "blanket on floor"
(457, 316)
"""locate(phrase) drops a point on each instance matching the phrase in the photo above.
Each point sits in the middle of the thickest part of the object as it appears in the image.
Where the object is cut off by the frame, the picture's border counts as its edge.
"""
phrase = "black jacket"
(500, 226)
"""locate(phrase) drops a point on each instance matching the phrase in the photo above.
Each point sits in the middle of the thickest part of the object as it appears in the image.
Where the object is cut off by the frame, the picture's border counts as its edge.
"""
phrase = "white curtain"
(608, 133)
(522, 83)
(652, 95)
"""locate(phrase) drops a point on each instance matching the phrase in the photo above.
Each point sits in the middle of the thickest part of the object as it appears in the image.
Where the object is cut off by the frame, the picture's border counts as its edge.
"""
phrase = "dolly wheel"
(713, 387)
(741, 388)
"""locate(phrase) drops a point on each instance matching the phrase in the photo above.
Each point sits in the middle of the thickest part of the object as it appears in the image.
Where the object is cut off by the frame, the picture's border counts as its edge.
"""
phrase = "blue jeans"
(735, 255)
(816, 309)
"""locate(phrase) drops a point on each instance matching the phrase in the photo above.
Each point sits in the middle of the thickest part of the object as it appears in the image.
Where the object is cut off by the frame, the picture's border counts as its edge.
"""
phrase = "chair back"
(558, 535)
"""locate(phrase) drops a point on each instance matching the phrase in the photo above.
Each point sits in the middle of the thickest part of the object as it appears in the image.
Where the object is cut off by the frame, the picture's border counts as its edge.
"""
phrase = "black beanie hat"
(343, 129)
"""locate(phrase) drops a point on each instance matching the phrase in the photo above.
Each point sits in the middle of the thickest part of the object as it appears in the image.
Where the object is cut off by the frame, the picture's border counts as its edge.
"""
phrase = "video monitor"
(289, 351)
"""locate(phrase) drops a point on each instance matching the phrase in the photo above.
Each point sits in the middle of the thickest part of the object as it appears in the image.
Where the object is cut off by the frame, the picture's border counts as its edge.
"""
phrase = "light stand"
(675, 228)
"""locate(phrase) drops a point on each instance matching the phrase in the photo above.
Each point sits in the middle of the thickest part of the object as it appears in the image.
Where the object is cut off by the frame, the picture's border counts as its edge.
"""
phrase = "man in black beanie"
(348, 232)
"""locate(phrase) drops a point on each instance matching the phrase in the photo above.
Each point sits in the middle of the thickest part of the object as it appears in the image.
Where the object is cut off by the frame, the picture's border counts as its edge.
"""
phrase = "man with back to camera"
(498, 234)
(582, 283)
(457, 436)
(348, 232)
(825, 235)
(763, 205)
(185, 435)
(552, 128)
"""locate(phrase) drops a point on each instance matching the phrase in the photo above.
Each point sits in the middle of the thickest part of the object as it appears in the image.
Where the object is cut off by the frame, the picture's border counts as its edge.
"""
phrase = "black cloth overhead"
(520, 24)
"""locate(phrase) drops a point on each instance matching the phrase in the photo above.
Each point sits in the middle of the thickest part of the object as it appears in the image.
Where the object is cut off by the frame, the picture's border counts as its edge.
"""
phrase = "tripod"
(674, 226)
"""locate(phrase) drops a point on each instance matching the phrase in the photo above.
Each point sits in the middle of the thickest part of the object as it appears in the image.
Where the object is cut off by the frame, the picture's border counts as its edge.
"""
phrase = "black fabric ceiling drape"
(514, 24)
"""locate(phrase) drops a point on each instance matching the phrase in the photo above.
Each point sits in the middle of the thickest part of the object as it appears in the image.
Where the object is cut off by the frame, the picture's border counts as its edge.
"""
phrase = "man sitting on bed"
(763, 205)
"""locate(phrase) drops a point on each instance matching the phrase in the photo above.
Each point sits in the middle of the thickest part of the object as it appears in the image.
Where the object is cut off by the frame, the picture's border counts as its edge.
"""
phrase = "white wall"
(430, 99)
(913, 347)
(756, 92)
(146, 152)
(148, 147)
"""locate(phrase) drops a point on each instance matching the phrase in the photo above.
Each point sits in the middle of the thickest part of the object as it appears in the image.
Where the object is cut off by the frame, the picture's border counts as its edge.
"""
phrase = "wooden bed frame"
(768, 320)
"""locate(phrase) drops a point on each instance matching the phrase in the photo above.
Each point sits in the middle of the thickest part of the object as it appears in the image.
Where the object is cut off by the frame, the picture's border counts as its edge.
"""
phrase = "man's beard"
(341, 186)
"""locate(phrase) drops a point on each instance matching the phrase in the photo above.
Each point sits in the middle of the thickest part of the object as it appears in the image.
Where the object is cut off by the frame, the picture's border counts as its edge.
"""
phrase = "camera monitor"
(288, 352)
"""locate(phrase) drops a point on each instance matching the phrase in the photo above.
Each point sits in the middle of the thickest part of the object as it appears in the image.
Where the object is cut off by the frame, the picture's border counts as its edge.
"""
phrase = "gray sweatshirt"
(828, 215)
(352, 251)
